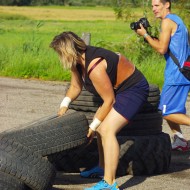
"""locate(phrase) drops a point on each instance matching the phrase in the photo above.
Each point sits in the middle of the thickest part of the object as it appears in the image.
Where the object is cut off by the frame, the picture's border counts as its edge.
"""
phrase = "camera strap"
(173, 56)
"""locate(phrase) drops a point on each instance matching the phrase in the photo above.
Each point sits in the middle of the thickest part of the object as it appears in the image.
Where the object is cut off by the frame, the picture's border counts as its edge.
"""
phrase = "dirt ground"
(23, 101)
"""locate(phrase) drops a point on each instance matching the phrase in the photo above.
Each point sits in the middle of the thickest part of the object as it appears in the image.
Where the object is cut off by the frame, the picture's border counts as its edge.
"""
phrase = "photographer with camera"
(173, 37)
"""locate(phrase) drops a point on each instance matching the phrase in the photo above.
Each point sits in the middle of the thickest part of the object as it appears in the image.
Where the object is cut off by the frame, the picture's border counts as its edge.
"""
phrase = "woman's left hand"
(90, 135)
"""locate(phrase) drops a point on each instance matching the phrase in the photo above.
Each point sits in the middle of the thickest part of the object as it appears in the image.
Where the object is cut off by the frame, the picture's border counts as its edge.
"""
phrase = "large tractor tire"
(147, 155)
(8, 182)
(76, 159)
(51, 134)
(139, 155)
(23, 165)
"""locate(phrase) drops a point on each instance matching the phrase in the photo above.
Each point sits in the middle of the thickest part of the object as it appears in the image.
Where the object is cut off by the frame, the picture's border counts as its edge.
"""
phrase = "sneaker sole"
(180, 148)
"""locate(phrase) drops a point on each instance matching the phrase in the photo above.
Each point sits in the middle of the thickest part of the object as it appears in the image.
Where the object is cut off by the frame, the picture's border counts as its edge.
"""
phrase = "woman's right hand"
(90, 135)
(62, 111)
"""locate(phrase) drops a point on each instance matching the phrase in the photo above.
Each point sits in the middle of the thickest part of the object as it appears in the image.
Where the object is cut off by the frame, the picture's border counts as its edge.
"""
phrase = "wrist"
(65, 103)
(95, 124)
(145, 35)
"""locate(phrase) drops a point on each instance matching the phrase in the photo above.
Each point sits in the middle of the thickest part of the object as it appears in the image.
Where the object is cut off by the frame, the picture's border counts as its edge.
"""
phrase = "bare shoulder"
(97, 63)
(168, 24)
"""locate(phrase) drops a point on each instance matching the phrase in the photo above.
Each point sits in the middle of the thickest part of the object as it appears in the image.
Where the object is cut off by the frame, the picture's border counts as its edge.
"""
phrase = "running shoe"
(179, 144)
(103, 185)
(95, 172)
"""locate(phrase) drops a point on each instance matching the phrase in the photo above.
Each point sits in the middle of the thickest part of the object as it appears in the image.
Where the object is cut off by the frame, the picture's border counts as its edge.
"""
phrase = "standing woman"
(122, 87)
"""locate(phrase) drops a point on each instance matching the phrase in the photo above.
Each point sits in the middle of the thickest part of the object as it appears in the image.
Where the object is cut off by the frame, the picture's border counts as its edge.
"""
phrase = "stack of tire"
(24, 150)
(144, 148)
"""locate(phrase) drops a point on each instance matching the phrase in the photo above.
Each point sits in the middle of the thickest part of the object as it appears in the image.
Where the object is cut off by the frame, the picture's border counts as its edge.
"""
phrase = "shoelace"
(102, 181)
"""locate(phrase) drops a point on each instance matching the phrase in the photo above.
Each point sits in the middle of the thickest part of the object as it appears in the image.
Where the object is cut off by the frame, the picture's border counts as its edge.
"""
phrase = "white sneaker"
(179, 144)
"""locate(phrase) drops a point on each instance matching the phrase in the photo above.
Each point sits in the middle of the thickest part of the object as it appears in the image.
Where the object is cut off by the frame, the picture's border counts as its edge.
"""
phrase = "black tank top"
(112, 60)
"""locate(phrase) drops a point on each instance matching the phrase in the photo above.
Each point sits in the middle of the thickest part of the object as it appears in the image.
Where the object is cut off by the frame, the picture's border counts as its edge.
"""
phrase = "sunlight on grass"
(26, 32)
(61, 13)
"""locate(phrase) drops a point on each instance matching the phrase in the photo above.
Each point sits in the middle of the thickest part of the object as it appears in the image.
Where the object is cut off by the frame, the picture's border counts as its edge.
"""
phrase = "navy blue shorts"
(129, 102)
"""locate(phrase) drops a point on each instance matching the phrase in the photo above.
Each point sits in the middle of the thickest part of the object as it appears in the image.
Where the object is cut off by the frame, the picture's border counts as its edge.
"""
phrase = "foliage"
(183, 10)
(25, 52)
(12, 17)
(57, 2)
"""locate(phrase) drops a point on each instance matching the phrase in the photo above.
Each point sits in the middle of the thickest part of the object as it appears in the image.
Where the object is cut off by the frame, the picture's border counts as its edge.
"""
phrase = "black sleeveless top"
(112, 60)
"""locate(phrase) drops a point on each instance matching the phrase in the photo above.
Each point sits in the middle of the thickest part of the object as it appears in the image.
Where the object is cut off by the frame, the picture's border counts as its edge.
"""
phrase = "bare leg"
(100, 148)
(108, 130)
(180, 119)
(111, 158)
(174, 127)
(100, 151)
(175, 120)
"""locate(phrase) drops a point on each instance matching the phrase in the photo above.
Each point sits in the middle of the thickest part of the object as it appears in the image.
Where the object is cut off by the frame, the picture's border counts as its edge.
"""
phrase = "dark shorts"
(129, 101)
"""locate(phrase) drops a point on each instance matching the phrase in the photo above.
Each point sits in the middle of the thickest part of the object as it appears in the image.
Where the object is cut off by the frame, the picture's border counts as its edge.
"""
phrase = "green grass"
(25, 52)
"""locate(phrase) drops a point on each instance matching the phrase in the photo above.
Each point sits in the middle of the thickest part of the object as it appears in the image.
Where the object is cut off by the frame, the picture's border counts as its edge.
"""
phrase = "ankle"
(108, 181)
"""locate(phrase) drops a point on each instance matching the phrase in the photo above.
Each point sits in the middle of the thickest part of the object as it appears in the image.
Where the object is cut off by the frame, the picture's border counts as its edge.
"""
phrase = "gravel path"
(23, 101)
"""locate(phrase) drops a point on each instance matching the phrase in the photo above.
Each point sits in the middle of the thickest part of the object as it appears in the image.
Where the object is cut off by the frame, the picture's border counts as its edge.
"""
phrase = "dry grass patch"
(63, 13)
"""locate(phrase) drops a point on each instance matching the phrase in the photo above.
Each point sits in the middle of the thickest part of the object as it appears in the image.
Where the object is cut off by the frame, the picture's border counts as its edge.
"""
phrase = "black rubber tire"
(144, 155)
(142, 124)
(18, 161)
(8, 182)
(139, 155)
(153, 100)
(88, 102)
(72, 160)
(53, 134)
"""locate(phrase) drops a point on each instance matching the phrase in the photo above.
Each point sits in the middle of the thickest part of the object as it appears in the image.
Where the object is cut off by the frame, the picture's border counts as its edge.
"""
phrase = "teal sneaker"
(103, 185)
(95, 172)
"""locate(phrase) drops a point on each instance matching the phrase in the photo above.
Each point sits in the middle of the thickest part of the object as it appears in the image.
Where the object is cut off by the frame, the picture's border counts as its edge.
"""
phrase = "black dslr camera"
(136, 25)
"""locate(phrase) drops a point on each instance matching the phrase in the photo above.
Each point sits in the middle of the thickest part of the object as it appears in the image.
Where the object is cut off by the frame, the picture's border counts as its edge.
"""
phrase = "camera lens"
(132, 25)
(136, 25)
(144, 22)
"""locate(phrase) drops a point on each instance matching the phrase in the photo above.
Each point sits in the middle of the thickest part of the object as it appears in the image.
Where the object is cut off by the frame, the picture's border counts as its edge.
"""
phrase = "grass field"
(60, 13)
(25, 34)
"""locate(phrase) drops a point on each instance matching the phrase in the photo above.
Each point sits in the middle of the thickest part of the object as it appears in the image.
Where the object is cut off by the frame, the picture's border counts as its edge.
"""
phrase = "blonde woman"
(122, 87)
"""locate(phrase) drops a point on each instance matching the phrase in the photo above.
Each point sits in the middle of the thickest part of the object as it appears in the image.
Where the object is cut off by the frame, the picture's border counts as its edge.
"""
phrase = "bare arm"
(74, 89)
(160, 45)
(103, 85)
(75, 85)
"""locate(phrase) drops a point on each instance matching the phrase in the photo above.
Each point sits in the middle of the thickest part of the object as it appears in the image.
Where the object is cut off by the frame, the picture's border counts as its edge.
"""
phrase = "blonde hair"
(69, 48)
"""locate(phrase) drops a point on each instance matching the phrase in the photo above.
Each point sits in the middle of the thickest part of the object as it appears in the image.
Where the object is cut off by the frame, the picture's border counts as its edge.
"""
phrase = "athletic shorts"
(128, 102)
(173, 99)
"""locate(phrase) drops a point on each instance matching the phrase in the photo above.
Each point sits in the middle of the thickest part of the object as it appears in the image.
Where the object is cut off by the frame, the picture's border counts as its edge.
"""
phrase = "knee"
(101, 131)
(104, 131)
(166, 117)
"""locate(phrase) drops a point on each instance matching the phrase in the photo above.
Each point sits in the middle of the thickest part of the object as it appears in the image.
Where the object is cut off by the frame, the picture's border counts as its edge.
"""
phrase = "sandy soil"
(23, 101)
